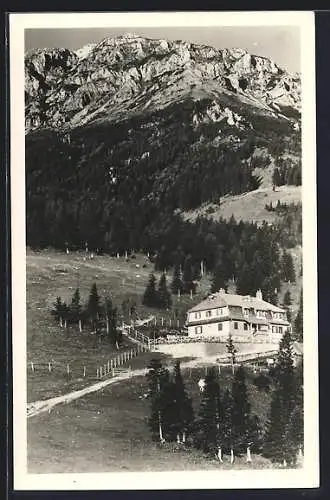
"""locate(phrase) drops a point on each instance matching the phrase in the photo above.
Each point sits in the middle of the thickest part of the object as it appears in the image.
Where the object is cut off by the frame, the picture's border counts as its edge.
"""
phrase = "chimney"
(222, 291)
(259, 294)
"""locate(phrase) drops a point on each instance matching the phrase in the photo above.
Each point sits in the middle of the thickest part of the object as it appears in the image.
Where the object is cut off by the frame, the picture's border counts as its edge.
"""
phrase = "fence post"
(68, 369)
(111, 364)
(32, 366)
(97, 373)
(49, 367)
(105, 369)
(112, 372)
(101, 372)
(219, 368)
(108, 365)
(118, 364)
(84, 371)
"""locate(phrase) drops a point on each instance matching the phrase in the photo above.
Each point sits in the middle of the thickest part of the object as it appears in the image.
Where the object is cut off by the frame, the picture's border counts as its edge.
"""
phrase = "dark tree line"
(100, 316)
(286, 173)
(113, 184)
(224, 423)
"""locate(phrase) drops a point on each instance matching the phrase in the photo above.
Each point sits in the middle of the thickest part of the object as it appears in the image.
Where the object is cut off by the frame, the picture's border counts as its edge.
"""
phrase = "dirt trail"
(41, 406)
(46, 405)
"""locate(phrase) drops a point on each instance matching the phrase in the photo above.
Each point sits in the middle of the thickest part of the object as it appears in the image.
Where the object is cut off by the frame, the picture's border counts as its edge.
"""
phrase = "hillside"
(250, 206)
(131, 143)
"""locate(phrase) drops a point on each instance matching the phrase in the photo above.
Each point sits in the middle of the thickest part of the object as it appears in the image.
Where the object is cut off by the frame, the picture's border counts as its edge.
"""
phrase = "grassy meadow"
(51, 274)
(107, 432)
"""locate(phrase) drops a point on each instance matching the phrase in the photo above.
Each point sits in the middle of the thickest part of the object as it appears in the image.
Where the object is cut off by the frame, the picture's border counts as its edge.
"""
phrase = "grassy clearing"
(107, 432)
(51, 274)
(249, 207)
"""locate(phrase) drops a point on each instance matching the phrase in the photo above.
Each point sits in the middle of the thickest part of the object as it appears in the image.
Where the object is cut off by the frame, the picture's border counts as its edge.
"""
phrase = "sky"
(279, 43)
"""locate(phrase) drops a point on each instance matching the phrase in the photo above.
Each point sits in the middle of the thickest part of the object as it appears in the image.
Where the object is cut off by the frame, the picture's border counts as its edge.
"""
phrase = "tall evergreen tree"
(218, 280)
(287, 301)
(227, 433)
(75, 309)
(188, 283)
(288, 271)
(164, 296)
(93, 307)
(150, 297)
(110, 314)
(182, 409)
(58, 310)
(231, 350)
(160, 400)
(177, 284)
(277, 445)
(241, 413)
(299, 321)
(208, 424)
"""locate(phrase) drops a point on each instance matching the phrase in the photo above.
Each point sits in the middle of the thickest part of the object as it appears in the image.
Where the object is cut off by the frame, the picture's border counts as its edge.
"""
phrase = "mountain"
(131, 143)
(130, 75)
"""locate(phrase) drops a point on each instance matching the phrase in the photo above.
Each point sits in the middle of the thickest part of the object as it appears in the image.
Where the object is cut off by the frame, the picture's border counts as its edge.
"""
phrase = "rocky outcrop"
(130, 74)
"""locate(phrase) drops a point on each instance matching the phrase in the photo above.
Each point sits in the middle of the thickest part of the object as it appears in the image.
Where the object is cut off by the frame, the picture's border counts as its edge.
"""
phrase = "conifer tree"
(227, 434)
(231, 350)
(93, 307)
(182, 409)
(288, 271)
(110, 314)
(188, 284)
(208, 424)
(159, 394)
(218, 280)
(287, 301)
(244, 280)
(75, 309)
(299, 321)
(241, 418)
(150, 297)
(164, 296)
(58, 310)
(277, 445)
(177, 284)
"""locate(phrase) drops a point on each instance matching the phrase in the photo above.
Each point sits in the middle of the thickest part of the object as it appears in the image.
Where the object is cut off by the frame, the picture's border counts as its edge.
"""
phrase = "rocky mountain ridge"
(130, 75)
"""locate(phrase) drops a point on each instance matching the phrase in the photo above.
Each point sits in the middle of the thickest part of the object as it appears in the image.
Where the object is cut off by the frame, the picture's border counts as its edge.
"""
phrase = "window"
(198, 329)
(245, 326)
(220, 327)
(280, 329)
(208, 314)
(220, 311)
(235, 325)
(197, 315)
(246, 312)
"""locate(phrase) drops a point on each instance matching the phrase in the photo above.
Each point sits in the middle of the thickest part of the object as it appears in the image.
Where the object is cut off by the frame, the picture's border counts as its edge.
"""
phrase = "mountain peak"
(131, 74)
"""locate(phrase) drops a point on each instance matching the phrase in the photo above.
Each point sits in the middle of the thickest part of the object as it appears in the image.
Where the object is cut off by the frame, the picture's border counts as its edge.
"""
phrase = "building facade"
(222, 314)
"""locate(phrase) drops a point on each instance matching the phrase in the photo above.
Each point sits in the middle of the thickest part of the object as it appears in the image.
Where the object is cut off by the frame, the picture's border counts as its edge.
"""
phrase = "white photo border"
(308, 475)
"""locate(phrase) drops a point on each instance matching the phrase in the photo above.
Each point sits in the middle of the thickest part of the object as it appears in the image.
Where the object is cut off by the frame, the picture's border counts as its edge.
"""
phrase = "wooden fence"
(112, 365)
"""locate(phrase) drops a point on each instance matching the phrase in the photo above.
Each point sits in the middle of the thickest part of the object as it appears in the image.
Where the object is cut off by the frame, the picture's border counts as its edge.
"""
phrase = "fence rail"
(111, 366)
